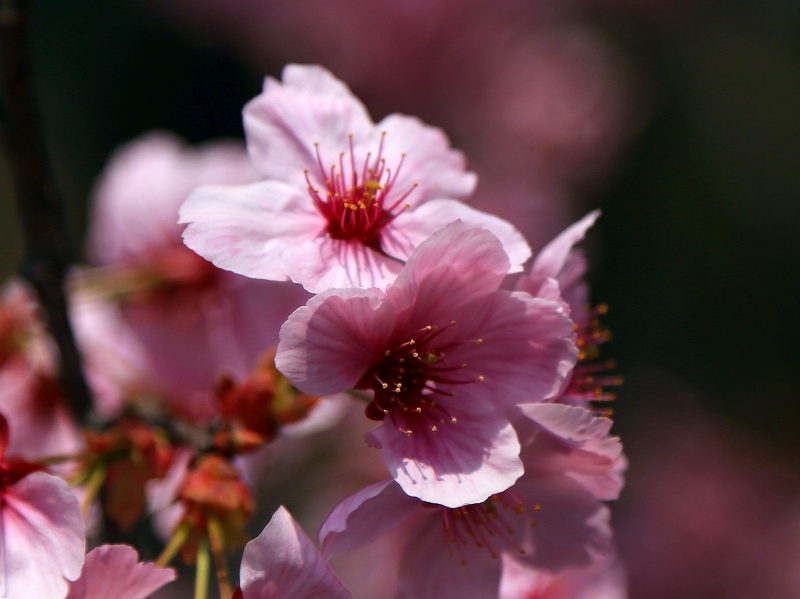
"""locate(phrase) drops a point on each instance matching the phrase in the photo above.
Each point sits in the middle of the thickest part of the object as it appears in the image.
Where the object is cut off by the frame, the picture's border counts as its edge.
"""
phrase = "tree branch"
(47, 244)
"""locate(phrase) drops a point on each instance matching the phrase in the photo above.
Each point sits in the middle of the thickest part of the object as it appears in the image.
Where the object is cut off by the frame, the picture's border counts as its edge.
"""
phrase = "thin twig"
(47, 244)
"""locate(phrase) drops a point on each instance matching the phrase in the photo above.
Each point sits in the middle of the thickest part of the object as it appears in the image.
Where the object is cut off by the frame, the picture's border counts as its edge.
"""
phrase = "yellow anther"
(480, 378)
(411, 342)
(418, 410)
(385, 385)
(387, 353)
(479, 341)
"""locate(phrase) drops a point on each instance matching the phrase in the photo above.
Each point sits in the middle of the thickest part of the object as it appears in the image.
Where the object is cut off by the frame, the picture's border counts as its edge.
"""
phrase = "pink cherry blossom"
(551, 519)
(282, 563)
(191, 320)
(114, 571)
(41, 530)
(444, 353)
(559, 267)
(344, 201)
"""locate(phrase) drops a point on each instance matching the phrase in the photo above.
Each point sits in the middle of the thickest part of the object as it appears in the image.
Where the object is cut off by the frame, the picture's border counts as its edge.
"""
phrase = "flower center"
(411, 375)
(491, 525)
(354, 201)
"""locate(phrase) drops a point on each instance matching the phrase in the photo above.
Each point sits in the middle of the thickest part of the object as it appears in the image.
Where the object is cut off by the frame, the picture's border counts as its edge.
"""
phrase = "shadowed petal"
(363, 517)
(282, 563)
(328, 344)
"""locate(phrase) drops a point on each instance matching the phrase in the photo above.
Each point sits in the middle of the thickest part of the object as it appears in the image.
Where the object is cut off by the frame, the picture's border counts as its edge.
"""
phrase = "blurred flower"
(191, 320)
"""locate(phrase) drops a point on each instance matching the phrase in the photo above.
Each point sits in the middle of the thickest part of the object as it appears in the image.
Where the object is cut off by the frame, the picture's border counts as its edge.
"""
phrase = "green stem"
(203, 569)
(175, 543)
(217, 539)
(93, 486)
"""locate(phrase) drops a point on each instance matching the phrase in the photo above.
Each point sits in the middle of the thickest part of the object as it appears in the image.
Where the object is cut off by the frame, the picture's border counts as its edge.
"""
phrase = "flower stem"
(93, 486)
(203, 569)
(175, 543)
(217, 539)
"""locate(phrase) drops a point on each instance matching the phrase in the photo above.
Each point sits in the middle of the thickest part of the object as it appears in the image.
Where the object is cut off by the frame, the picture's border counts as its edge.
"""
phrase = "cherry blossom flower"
(558, 272)
(443, 352)
(282, 563)
(551, 519)
(115, 571)
(191, 320)
(344, 201)
(42, 541)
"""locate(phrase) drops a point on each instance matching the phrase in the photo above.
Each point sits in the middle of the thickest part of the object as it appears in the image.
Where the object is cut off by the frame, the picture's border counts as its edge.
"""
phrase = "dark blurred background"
(680, 119)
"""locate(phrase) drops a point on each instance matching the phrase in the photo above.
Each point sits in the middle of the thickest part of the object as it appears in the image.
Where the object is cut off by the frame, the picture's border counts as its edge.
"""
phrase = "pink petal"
(576, 443)
(551, 259)
(412, 227)
(282, 563)
(114, 572)
(285, 120)
(572, 526)
(136, 199)
(433, 567)
(328, 344)
(526, 352)
(363, 517)
(42, 538)
(427, 160)
(246, 229)
(454, 265)
(323, 263)
(459, 463)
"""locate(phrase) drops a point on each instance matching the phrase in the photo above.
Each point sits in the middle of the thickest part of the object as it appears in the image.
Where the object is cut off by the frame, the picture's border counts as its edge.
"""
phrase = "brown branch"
(47, 244)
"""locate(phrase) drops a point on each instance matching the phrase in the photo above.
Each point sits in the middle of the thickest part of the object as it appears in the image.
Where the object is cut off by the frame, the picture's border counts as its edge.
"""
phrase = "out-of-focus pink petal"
(323, 263)
(551, 260)
(428, 161)
(603, 579)
(327, 345)
(137, 197)
(363, 517)
(310, 106)
(572, 526)
(433, 567)
(42, 538)
(114, 572)
(414, 226)
(574, 442)
(282, 563)
(459, 463)
(246, 229)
